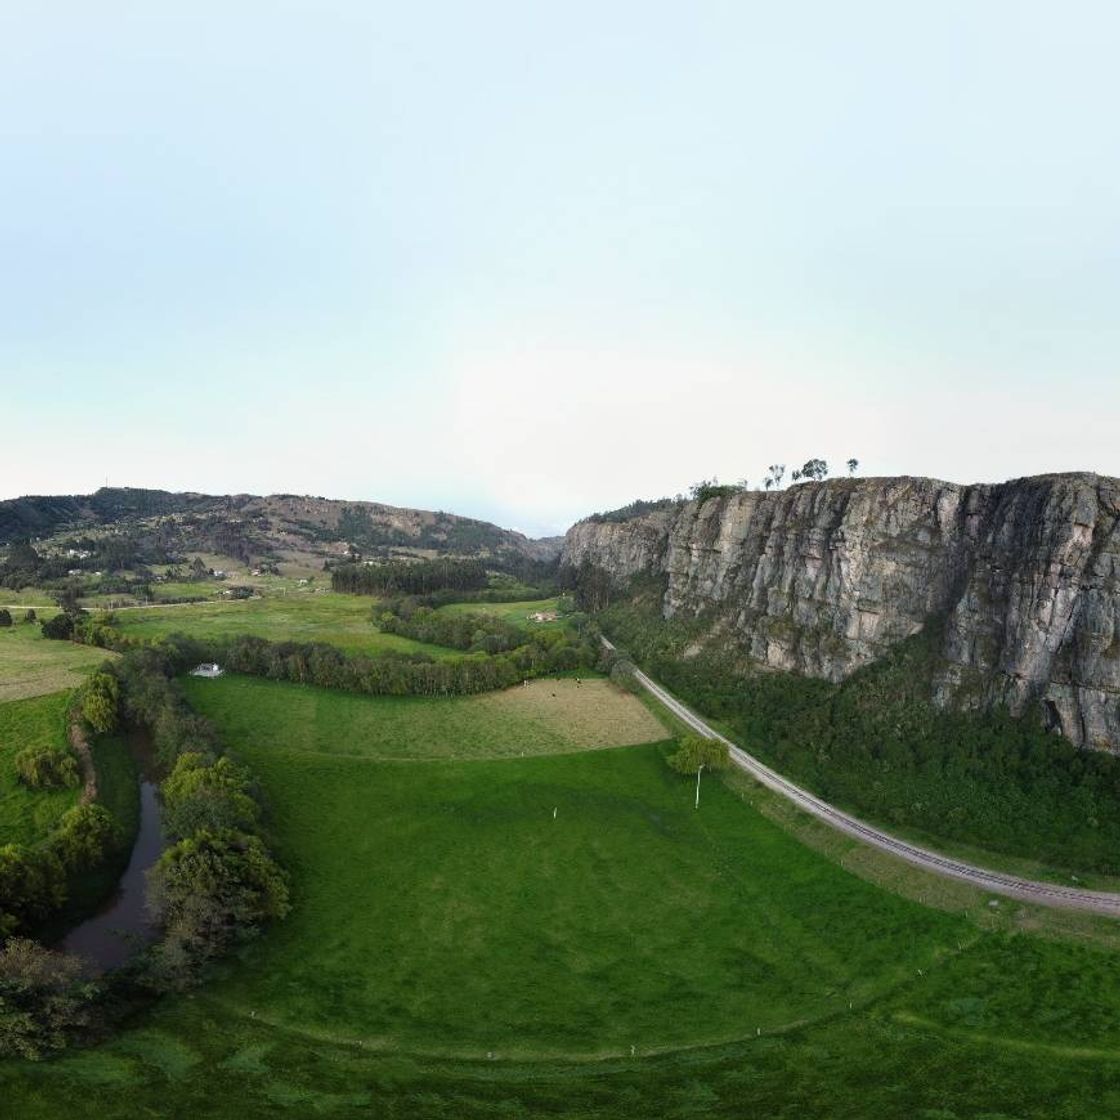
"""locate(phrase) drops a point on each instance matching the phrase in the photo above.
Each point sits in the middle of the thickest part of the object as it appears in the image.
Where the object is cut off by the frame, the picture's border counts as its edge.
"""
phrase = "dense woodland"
(877, 746)
(408, 577)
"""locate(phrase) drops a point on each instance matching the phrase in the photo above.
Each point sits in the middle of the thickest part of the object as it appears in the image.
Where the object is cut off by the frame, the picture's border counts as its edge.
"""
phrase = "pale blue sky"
(525, 261)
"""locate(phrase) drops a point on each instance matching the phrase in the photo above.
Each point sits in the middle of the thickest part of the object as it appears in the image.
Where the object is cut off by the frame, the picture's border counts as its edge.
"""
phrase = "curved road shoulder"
(1029, 890)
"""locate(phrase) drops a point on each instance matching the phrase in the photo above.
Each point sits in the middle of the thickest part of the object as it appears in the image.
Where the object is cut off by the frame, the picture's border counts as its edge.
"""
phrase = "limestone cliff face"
(822, 578)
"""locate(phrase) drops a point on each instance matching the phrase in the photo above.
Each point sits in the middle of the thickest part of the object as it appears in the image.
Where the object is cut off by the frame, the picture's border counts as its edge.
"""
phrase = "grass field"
(458, 951)
(31, 665)
(515, 613)
(542, 717)
(26, 816)
(298, 616)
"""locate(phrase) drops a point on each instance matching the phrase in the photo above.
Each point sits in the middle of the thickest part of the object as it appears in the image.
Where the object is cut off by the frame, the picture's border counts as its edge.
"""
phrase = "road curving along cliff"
(824, 577)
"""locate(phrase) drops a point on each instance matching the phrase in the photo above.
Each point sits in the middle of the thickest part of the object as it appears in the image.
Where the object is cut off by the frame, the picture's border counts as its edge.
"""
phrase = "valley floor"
(479, 933)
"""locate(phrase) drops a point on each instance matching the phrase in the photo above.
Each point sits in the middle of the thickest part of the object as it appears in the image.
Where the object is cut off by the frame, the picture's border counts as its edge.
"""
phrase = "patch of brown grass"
(593, 713)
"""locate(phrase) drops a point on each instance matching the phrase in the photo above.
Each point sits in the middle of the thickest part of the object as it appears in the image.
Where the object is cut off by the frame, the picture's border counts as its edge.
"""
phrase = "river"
(121, 925)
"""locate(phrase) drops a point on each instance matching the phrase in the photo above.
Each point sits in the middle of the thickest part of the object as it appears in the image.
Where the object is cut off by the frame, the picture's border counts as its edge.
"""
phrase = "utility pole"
(698, 769)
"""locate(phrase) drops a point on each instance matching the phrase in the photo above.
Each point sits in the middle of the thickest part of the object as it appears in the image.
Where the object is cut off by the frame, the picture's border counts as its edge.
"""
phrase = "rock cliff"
(822, 578)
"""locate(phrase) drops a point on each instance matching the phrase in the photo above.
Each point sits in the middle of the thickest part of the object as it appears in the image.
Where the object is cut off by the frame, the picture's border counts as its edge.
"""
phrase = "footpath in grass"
(31, 665)
(322, 616)
(26, 815)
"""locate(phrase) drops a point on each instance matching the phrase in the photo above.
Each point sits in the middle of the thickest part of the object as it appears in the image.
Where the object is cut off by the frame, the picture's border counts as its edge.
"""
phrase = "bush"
(202, 794)
(60, 628)
(30, 616)
(43, 999)
(212, 889)
(84, 837)
(5, 617)
(43, 767)
(32, 884)
(100, 699)
(694, 751)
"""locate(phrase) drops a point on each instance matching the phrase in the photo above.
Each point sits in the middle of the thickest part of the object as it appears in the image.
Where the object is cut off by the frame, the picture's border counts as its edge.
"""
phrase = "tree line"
(35, 880)
(409, 577)
(499, 659)
(812, 470)
(396, 674)
(215, 884)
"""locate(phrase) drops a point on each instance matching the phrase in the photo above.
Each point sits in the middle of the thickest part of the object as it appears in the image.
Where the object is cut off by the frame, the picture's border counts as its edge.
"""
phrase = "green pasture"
(298, 616)
(26, 815)
(515, 613)
(25, 597)
(31, 665)
(543, 717)
(480, 934)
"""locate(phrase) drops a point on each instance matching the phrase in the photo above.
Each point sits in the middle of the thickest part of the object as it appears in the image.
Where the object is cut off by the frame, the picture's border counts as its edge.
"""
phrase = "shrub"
(203, 794)
(30, 616)
(43, 767)
(84, 836)
(214, 888)
(43, 999)
(100, 699)
(694, 751)
(5, 617)
(32, 884)
(60, 628)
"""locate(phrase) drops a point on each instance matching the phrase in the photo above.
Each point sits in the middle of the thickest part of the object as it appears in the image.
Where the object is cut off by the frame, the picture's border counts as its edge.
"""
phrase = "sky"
(526, 261)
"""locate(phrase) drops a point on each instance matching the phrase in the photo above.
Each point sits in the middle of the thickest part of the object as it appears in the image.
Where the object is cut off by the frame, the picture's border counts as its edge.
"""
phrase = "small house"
(207, 669)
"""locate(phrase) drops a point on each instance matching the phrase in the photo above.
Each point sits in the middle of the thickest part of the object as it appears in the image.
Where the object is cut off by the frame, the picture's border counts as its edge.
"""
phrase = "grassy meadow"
(481, 934)
(505, 905)
(517, 614)
(26, 815)
(297, 616)
(31, 665)
(542, 717)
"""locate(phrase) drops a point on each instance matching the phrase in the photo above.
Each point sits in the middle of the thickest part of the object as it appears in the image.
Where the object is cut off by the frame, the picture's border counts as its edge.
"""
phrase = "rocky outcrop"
(825, 577)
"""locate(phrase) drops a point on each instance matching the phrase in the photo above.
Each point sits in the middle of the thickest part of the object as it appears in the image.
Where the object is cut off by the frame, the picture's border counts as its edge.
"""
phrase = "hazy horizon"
(527, 264)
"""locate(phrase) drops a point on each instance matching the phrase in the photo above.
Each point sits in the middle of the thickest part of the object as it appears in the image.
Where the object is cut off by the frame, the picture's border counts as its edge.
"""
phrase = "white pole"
(698, 769)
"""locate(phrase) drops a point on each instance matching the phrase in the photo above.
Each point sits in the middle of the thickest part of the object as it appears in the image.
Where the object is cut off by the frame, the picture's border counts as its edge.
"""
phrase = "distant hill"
(247, 526)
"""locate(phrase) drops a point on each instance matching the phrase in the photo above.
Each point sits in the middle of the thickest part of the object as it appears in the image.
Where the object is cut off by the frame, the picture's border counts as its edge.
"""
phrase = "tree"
(100, 700)
(816, 469)
(32, 884)
(712, 488)
(44, 767)
(695, 751)
(853, 466)
(774, 475)
(60, 627)
(30, 616)
(203, 794)
(83, 837)
(199, 571)
(216, 887)
(43, 999)
(5, 617)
